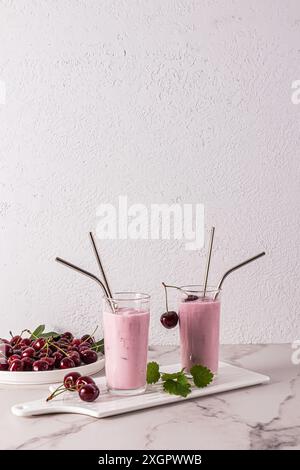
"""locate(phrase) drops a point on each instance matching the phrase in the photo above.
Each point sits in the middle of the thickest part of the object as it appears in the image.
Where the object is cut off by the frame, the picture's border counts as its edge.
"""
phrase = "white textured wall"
(164, 101)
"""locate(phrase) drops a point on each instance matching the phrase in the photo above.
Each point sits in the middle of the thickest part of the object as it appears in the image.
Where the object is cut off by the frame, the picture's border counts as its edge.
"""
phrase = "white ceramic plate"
(50, 376)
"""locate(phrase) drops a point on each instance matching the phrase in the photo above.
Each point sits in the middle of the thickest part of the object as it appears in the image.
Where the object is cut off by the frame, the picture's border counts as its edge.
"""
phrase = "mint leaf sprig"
(178, 383)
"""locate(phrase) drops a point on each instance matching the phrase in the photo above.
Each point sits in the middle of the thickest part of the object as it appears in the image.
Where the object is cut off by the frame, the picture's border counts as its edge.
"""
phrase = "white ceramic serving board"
(49, 376)
(229, 378)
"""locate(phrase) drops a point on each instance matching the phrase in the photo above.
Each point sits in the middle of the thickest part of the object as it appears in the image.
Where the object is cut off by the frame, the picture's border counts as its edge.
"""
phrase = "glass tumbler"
(199, 327)
(126, 317)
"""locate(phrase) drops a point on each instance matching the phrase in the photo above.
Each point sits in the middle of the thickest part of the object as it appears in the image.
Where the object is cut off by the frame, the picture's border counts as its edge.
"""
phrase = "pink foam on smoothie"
(199, 325)
(126, 347)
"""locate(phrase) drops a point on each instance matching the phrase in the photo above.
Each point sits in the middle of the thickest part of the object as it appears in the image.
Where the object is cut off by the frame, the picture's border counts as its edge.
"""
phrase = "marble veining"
(277, 432)
(260, 417)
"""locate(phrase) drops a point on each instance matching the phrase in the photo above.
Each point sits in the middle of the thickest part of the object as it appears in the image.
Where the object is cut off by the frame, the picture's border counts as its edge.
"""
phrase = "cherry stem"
(46, 345)
(166, 295)
(31, 334)
(91, 335)
(59, 349)
(49, 343)
(23, 331)
(175, 287)
(57, 392)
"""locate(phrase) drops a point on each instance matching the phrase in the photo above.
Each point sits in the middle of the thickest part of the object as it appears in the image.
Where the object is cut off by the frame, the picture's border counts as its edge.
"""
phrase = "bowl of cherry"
(41, 358)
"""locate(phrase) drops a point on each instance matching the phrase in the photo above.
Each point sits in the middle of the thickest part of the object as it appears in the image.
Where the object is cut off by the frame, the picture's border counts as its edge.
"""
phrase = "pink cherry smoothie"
(199, 325)
(126, 346)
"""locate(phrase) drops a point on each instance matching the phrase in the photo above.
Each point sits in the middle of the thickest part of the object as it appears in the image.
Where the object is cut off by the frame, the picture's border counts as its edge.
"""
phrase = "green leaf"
(37, 332)
(50, 334)
(98, 346)
(173, 376)
(202, 376)
(153, 374)
(179, 386)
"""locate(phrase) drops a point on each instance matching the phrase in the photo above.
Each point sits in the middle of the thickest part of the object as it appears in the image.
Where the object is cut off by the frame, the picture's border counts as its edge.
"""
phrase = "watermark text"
(154, 222)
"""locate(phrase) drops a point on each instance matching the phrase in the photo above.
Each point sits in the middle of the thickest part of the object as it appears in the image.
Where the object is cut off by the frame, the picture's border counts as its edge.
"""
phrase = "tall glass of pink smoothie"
(126, 332)
(199, 327)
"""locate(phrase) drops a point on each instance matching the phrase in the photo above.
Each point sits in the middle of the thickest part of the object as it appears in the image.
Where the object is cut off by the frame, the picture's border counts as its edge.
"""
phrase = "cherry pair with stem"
(75, 382)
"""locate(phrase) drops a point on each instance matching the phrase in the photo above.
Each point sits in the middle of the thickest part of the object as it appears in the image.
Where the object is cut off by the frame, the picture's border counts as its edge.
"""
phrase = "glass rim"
(194, 288)
(133, 296)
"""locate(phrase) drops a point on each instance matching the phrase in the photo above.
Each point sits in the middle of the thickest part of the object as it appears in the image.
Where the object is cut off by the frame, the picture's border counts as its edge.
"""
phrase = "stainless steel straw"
(108, 289)
(100, 264)
(85, 273)
(212, 233)
(235, 268)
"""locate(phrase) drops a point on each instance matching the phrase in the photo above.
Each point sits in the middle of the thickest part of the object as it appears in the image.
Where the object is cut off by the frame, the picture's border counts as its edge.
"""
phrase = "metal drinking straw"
(85, 273)
(212, 233)
(100, 264)
(102, 272)
(234, 269)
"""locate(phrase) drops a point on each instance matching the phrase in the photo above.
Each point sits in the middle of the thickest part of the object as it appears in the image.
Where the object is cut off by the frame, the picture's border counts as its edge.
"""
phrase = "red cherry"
(40, 365)
(44, 353)
(67, 336)
(25, 342)
(13, 358)
(15, 340)
(28, 352)
(27, 363)
(57, 356)
(84, 346)
(84, 380)
(191, 298)
(88, 356)
(52, 348)
(50, 361)
(66, 363)
(3, 364)
(6, 350)
(76, 342)
(17, 351)
(70, 379)
(89, 392)
(74, 355)
(16, 366)
(63, 342)
(169, 319)
(39, 344)
(39, 355)
(61, 345)
(87, 339)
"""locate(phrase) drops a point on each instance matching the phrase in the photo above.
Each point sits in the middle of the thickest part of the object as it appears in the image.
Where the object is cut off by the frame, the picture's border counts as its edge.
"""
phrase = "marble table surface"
(259, 417)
